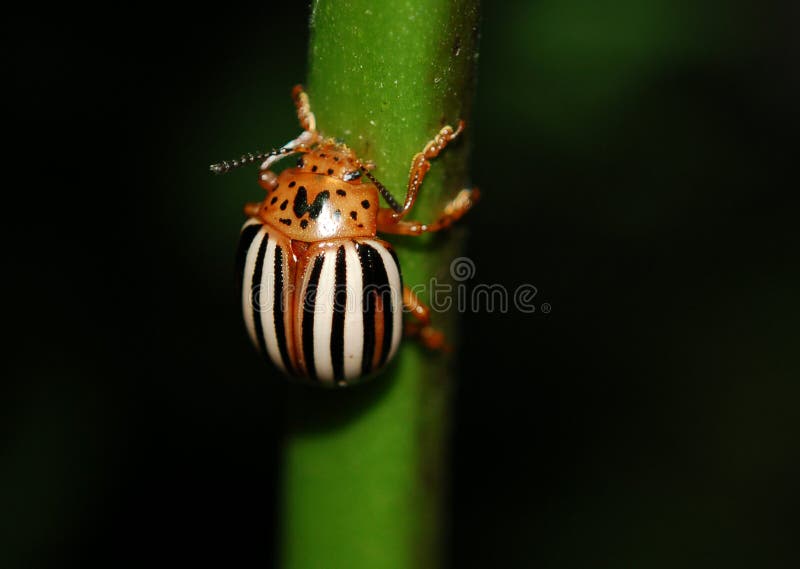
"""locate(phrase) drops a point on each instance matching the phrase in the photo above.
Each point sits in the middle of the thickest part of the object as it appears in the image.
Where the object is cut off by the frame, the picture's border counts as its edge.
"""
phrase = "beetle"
(322, 295)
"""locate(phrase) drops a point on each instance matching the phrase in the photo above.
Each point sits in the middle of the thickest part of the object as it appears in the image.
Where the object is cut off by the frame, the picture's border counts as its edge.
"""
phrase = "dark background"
(649, 420)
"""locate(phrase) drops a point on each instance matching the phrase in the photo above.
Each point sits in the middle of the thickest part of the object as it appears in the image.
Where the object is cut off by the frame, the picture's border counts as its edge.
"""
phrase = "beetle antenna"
(226, 166)
(382, 189)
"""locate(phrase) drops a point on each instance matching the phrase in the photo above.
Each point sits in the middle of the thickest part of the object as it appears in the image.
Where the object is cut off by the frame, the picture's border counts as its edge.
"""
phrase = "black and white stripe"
(336, 322)
(351, 319)
(266, 300)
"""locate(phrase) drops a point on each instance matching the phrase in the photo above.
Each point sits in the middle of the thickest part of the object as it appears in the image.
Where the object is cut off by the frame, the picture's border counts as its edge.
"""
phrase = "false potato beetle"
(322, 296)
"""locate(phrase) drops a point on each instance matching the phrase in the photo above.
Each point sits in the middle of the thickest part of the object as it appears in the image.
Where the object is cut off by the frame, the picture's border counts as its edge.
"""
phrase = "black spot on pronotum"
(273, 200)
(285, 221)
(303, 223)
(284, 204)
(365, 204)
(322, 155)
(330, 171)
(354, 215)
(292, 184)
(314, 168)
(301, 205)
(341, 193)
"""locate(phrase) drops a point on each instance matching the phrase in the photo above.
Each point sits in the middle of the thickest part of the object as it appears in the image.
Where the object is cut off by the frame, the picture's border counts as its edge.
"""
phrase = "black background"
(649, 420)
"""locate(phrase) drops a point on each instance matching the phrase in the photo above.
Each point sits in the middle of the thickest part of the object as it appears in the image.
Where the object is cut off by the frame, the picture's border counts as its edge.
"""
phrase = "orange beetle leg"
(304, 114)
(268, 180)
(453, 211)
(251, 209)
(420, 164)
(421, 328)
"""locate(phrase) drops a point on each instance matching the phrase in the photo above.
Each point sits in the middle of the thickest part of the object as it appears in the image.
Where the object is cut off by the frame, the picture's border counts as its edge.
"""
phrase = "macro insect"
(322, 295)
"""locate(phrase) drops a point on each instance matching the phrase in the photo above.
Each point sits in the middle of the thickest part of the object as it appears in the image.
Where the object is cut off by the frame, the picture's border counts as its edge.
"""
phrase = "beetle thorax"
(331, 159)
(309, 206)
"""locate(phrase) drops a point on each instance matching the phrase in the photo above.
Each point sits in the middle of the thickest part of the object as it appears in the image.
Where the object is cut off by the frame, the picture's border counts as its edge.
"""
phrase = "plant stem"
(364, 467)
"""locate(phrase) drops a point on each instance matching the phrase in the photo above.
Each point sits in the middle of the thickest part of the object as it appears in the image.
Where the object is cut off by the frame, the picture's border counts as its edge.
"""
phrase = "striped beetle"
(322, 296)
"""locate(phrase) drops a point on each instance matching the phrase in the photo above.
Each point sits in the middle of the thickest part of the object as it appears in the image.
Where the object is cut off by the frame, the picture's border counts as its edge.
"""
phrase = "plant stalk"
(364, 472)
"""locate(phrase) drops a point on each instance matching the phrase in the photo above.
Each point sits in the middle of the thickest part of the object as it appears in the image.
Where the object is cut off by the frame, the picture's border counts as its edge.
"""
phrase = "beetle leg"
(420, 165)
(304, 114)
(307, 138)
(268, 180)
(452, 212)
(251, 209)
(421, 328)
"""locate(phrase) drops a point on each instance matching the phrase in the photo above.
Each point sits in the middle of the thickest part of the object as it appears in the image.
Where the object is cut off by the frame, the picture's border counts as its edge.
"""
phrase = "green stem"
(364, 467)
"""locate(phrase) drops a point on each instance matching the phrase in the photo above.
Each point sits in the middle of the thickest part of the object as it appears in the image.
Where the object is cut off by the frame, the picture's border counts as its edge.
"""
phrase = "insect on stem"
(318, 226)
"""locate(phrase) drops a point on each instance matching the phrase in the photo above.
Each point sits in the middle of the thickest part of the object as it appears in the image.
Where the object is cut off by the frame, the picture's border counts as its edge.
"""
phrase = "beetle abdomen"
(334, 315)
